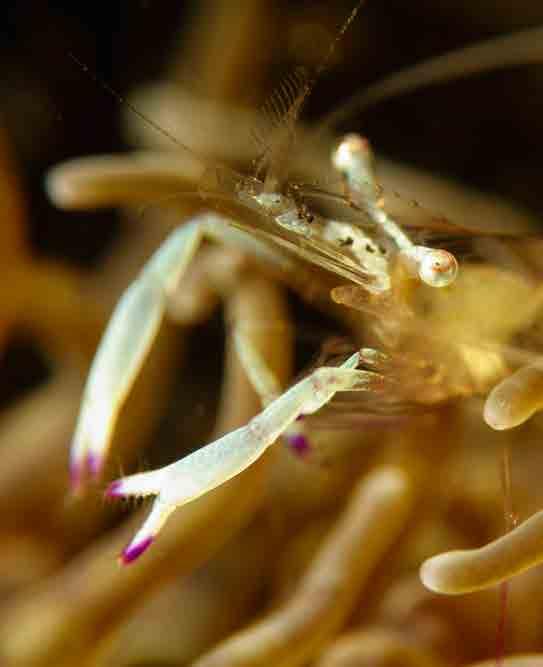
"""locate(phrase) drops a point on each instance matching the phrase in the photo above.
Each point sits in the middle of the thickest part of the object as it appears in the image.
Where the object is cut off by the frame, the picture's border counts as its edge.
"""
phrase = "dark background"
(486, 130)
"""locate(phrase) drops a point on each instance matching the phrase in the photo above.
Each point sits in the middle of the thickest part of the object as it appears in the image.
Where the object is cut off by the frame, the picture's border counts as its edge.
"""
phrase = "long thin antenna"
(331, 50)
(296, 105)
(339, 36)
(284, 107)
(123, 101)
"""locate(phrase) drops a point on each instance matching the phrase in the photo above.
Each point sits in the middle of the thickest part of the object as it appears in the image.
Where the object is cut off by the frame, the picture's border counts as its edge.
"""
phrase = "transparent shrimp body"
(336, 245)
(342, 247)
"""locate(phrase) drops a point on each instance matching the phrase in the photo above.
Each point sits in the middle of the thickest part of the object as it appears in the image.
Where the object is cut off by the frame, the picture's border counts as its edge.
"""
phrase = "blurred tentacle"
(520, 48)
(372, 521)
(528, 660)
(109, 180)
(458, 572)
(376, 647)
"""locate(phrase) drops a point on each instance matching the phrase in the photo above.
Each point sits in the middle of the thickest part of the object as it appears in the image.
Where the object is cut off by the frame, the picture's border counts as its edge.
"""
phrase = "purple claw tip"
(299, 444)
(114, 490)
(134, 551)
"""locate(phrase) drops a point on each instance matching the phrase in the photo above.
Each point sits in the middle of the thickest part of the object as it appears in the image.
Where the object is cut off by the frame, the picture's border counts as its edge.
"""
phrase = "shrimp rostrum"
(345, 240)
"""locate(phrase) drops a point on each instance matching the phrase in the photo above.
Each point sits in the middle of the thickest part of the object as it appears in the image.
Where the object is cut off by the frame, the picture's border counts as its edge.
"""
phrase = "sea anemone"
(353, 539)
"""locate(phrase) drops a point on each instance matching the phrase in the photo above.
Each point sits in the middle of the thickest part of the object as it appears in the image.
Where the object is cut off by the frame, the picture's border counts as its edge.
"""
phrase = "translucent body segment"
(262, 379)
(216, 463)
(353, 158)
(364, 248)
(225, 230)
(516, 398)
(124, 347)
(267, 386)
(295, 632)
(470, 570)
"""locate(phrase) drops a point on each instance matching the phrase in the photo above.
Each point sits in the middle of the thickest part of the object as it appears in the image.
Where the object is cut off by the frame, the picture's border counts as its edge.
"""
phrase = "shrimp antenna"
(520, 48)
(283, 108)
(123, 101)
(325, 64)
(339, 36)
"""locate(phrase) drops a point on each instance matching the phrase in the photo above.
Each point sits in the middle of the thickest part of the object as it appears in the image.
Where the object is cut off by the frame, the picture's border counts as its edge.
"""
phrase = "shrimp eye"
(438, 268)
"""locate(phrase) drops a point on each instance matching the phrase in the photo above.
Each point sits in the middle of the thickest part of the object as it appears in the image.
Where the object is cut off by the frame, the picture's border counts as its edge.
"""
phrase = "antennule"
(353, 158)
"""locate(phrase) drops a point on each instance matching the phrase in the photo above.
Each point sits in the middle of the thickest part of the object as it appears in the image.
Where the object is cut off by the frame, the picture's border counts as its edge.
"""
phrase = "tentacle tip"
(61, 188)
(499, 414)
(434, 575)
(427, 575)
(496, 424)
(134, 550)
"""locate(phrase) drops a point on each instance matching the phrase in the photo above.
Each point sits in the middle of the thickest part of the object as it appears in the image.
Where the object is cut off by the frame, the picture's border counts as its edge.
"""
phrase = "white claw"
(123, 349)
(121, 353)
(146, 534)
(216, 463)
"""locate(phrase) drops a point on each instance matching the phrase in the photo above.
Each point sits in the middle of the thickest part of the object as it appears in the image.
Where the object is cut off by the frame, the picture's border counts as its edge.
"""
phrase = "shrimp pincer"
(216, 463)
